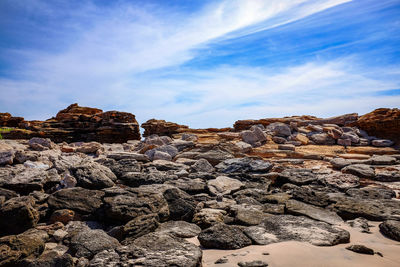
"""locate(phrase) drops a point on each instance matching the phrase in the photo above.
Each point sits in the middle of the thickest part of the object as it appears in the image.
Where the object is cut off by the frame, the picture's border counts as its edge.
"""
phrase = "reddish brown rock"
(75, 124)
(342, 120)
(6, 120)
(162, 127)
(382, 123)
(72, 112)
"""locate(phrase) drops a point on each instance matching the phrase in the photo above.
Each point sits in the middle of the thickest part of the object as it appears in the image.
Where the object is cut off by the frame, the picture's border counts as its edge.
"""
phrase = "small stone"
(253, 264)
(59, 235)
(287, 147)
(221, 261)
(361, 249)
(382, 143)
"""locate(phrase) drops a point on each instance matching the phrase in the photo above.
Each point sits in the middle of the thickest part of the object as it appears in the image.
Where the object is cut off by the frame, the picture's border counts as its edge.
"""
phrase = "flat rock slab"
(297, 177)
(360, 170)
(180, 229)
(340, 180)
(244, 165)
(287, 227)
(223, 185)
(299, 208)
(154, 249)
(371, 209)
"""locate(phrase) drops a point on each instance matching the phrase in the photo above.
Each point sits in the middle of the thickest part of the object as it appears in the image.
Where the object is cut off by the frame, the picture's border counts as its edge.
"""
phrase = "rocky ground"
(273, 192)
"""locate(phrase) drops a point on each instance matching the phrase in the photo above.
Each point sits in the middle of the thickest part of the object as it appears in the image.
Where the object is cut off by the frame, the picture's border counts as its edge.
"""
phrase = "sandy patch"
(293, 253)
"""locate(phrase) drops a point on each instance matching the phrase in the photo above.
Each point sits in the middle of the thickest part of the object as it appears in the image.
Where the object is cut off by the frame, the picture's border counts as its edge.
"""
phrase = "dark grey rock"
(360, 170)
(361, 249)
(222, 236)
(297, 177)
(202, 165)
(244, 165)
(87, 243)
(93, 175)
(18, 215)
(371, 193)
(78, 199)
(299, 208)
(299, 228)
(140, 226)
(126, 205)
(391, 229)
(161, 250)
(253, 264)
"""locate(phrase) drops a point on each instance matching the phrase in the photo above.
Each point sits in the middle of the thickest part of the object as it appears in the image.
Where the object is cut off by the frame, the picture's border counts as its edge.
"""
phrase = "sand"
(293, 253)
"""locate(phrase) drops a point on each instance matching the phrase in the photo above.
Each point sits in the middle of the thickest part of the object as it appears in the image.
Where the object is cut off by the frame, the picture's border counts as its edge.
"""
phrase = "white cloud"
(117, 61)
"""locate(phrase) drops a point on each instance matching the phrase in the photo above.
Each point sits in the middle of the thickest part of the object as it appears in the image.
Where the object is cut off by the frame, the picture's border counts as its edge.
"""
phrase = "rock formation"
(75, 124)
(126, 202)
(382, 122)
(161, 127)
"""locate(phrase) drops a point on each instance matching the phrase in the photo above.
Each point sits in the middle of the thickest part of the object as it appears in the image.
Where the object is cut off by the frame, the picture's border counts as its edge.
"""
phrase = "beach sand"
(293, 253)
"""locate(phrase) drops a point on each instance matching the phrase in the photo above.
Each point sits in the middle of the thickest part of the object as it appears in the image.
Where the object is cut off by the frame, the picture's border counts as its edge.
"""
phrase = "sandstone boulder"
(383, 123)
(161, 127)
(222, 236)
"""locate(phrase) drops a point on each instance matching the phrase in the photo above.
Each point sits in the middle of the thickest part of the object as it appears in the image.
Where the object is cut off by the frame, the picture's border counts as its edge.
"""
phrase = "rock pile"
(134, 203)
(77, 124)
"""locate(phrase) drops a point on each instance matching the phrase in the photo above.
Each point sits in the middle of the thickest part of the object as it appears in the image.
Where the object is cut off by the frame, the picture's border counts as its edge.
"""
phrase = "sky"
(202, 63)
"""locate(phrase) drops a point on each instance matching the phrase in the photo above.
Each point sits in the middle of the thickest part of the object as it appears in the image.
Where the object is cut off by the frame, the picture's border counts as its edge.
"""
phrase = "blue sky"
(200, 63)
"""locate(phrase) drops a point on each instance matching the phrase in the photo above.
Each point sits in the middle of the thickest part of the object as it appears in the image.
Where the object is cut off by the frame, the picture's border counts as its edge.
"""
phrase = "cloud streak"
(133, 58)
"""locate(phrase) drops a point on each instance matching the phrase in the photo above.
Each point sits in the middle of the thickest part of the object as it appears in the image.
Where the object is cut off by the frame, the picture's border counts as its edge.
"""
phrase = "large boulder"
(299, 208)
(15, 248)
(17, 215)
(125, 205)
(26, 180)
(391, 229)
(382, 122)
(80, 200)
(255, 136)
(342, 181)
(223, 185)
(154, 249)
(89, 242)
(140, 226)
(371, 209)
(6, 154)
(279, 129)
(296, 176)
(222, 236)
(360, 170)
(93, 175)
(298, 228)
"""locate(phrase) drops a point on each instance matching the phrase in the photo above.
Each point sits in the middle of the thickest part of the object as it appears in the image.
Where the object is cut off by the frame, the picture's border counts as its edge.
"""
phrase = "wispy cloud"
(131, 57)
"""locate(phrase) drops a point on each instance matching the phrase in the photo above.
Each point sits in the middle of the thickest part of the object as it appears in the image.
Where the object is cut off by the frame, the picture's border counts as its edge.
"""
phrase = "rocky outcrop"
(6, 120)
(110, 204)
(382, 122)
(161, 127)
(299, 120)
(77, 123)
